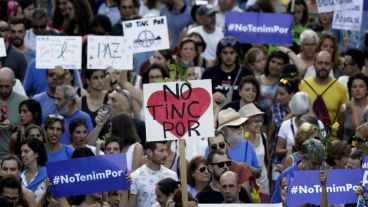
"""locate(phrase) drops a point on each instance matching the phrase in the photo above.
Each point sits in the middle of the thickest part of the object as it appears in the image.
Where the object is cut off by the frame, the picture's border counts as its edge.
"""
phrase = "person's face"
(11, 194)
(68, 77)
(248, 93)
(217, 143)
(117, 103)
(154, 75)
(254, 124)
(127, 9)
(54, 132)
(114, 199)
(358, 89)
(70, 10)
(226, 5)
(62, 5)
(275, 66)
(4, 30)
(312, 164)
(228, 56)
(61, 103)
(79, 135)
(54, 78)
(161, 198)
(229, 189)
(328, 46)
(309, 47)
(112, 148)
(283, 96)
(6, 87)
(35, 133)
(219, 166)
(354, 164)
(341, 163)
(9, 168)
(191, 73)
(158, 58)
(259, 64)
(199, 42)
(17, 33)
(28, 11)
(325, 18)
(201, 174)
(159, 155)
(209, 22)
(27, 155)
(350, 67)
(97, 81)
(233, 134)
(26, 117)
(323, 65)
(188, 51)
(39, 26)
(298, 15)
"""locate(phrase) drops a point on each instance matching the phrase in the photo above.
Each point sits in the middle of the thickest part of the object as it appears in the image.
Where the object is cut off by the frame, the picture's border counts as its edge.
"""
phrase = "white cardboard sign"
(109, 51)
(63, 51)
(177, 110)
(149, 34)
(334, 5)
(2, 48)
(350, 19)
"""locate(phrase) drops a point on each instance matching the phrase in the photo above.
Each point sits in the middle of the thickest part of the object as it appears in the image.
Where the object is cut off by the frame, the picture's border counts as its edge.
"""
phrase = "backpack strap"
(329, 86)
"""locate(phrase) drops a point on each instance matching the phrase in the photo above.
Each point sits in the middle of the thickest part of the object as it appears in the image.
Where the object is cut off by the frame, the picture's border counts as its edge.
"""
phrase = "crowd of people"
(274, 106)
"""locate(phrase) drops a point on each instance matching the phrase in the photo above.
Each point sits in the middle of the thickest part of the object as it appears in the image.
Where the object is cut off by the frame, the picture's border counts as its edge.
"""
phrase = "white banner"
(2, 48)
(350, 19)
(334, 5)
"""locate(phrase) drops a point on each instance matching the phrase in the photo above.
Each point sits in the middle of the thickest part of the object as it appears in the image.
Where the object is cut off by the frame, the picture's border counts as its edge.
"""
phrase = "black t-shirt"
(221, 81)
(208, 195)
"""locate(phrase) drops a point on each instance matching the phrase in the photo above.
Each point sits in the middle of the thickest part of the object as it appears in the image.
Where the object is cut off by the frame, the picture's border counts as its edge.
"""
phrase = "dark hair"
(338, 150)
(252, 80)
(39, 14)
(145, 78)
(167, 186)
(112, 139)
(357, 57)
(290, 85)
(32, 126)
(305, 18)
(76, 123)
(35, 108)
(264, 6)
(101, 21)
(335, 55)
(192, 166)
(189, 40)
(359, 76)
(221, 46)
(89, 73)
(82, 20)
(15, 21)
(153, 145)
(57, 17)
(82, 152)
(212, 154)
(123, 128)
(178, 201)
(51, 120)
(12, 157)
(217, 133)
(26, 3)
(167, 54)
(13, 183)
(289, 71)
(37, 147)
(278, 55)
(136, 3)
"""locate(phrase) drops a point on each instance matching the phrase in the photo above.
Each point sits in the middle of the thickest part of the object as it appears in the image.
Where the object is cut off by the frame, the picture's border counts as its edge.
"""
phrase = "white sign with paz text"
(109, 51)
(63, 51)
(350, 19)
(149, 34)
(176, 110)
(334, 5)
(2, 48)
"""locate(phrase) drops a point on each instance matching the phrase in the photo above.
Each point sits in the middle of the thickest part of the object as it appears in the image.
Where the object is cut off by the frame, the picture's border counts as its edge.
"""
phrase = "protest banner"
(241, 205)
(149, 34)
(261, 28)
(350, 19)
(333, 5)
(340, 187)
(78, 176)
(63, 51)
(365, 162)
(109, 51)
(2, 48)
(175, 110)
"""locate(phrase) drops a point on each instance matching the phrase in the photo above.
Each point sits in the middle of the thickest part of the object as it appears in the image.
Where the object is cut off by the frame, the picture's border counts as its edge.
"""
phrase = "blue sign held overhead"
(261, 28)
(88, 175)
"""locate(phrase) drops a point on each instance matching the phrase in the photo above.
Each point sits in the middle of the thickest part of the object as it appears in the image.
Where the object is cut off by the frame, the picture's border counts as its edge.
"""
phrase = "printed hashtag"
(56, 180)
(294, 189)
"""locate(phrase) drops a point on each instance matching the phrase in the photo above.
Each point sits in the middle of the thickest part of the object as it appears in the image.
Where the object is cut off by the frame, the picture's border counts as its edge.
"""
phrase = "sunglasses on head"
(202, 169)
(220, 145)
(55, 116)
(222, 164)
(226, 42)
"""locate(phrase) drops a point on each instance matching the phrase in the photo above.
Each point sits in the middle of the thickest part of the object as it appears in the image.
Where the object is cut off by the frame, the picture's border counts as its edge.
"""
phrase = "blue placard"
(88, 175)
(261, 28)
(365, 162)
(304, 187)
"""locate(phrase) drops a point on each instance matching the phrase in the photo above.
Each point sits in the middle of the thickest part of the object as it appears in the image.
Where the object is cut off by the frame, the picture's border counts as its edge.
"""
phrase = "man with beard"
(9, 102)
(145, 178)
(227, 73)
(65, 101)
(240, 150)
(326, 93)
(17, 32)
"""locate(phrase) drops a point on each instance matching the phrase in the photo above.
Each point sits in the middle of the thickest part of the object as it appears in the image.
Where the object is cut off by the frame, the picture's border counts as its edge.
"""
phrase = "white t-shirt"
(144, 181)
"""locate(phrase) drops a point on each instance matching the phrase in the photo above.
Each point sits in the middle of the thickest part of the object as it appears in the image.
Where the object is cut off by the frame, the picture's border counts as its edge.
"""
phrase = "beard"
(323, 74)
(17, 42)
(233, 138)
(63, 109)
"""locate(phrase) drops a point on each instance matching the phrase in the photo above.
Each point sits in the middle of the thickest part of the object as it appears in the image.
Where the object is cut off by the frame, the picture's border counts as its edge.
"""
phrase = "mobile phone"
(105, 108)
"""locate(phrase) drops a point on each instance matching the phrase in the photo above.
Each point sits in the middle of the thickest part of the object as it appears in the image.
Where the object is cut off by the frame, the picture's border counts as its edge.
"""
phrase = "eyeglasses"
(156, 77)
(4, 109)
(202, 169)
(226, 42)
(39, 26)
(4, 29)
(222, 164)
(234, 127)
(220, 145)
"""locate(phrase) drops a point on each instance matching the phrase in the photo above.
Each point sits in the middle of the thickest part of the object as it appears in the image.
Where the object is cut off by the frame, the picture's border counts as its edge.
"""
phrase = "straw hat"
(229, 117)
(250, 110)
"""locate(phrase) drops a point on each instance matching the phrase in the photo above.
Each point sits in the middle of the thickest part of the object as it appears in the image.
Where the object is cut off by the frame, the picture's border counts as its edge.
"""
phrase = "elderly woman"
(198, 175)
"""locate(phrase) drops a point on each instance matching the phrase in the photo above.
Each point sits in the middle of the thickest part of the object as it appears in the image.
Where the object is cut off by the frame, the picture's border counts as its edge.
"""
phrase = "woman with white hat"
(253, 132)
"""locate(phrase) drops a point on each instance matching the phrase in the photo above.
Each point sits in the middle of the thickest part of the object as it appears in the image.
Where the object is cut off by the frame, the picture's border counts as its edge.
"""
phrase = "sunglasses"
(222, 164)
(220, 145)
(4, 109)
(202, 169)
(234, 127)
(39, 26)
(230, 42)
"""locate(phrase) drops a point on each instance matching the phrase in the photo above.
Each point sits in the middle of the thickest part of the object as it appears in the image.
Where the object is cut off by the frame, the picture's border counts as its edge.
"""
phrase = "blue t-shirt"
(48, 105)
(289, 172)
(243, 152)
(65, 153)
(78, 114)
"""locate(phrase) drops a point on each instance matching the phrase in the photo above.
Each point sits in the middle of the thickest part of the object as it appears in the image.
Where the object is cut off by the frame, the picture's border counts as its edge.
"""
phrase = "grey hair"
(313, 147)
(68, 93)
(300, 103)
(308, 34)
